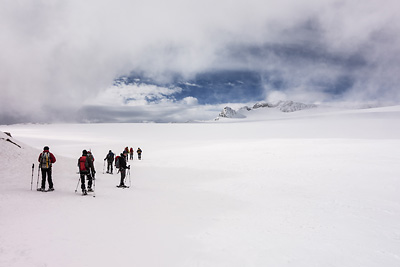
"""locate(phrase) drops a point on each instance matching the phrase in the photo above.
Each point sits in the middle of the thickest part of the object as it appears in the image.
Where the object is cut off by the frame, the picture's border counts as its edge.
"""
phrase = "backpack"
(110, 156)
(83, 164)
(45, 161)
(117, 165)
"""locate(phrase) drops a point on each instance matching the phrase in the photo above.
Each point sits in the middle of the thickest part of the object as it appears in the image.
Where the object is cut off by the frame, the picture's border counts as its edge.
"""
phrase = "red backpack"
(83, 165)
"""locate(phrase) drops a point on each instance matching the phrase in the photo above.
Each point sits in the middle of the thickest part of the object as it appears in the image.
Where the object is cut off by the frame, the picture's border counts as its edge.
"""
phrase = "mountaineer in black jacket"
(122, 169)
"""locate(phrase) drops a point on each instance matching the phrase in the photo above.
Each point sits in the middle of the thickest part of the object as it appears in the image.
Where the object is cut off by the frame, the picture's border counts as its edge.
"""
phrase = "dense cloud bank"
(58, 55)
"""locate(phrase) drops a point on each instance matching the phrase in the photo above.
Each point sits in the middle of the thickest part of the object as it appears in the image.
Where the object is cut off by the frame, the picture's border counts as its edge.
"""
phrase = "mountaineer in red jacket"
(46, 160)
(85, 165)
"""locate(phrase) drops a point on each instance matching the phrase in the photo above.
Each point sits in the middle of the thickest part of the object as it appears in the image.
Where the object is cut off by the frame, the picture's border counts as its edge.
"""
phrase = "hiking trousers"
(110, 166)
(123, 174)
(47, 172)
(89, 179)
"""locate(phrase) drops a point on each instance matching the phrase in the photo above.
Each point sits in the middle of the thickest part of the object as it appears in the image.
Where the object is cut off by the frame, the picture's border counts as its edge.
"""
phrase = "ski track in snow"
(305, 189)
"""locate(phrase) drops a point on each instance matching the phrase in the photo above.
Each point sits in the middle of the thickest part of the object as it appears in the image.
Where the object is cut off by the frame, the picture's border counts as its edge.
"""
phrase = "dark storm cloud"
(312, 69)
(55, 55)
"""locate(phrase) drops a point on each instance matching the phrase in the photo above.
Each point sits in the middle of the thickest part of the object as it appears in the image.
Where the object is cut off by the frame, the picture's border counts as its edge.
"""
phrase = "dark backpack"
(110, 156)
(45, 161)
(117, 165)
(90, 157)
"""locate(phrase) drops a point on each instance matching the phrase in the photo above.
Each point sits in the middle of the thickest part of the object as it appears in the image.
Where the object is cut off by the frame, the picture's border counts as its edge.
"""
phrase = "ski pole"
(76, 189)
(37, 181)
(33, 166)
(94, 188)
(129, 173)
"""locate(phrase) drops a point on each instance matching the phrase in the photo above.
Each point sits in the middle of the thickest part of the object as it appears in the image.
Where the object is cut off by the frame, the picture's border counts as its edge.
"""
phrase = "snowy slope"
(310, 188)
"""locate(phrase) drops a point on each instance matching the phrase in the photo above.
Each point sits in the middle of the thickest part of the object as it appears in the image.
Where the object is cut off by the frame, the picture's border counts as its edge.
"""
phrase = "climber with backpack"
(126, 153)
(46, 160)
(120, 163)
(85, 165)
(139, 153)
(110, 159)
(92, 170)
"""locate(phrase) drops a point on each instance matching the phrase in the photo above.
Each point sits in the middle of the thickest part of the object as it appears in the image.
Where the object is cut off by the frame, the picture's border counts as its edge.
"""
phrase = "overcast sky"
(57, 57)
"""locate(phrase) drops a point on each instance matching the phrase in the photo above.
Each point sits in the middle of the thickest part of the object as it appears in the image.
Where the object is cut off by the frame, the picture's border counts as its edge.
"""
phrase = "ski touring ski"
(42, 190)
(89, 193)
(122, 186)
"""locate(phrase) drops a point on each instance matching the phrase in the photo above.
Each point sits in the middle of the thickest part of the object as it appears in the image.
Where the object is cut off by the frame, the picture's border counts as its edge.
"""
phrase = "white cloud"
(55, 55)
(132, 95)
(190, 101)
(274, 96)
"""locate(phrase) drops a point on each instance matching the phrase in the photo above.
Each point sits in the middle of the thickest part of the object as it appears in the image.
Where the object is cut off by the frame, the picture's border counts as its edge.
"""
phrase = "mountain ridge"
(283, 106)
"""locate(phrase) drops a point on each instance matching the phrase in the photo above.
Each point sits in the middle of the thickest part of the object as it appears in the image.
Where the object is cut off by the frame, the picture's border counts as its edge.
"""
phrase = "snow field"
(303, 190)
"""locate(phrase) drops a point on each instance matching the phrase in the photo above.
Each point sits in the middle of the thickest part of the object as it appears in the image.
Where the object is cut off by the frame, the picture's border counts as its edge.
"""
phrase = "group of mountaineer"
(121, 162)
(86, 168)
(110, 157)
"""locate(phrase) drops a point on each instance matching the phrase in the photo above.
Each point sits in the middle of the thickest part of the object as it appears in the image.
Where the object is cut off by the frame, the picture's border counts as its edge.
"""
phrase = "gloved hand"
(129, 167)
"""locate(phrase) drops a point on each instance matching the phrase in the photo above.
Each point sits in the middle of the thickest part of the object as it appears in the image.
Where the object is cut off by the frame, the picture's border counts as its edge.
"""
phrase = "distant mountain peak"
(228, 112)
(284, 106)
